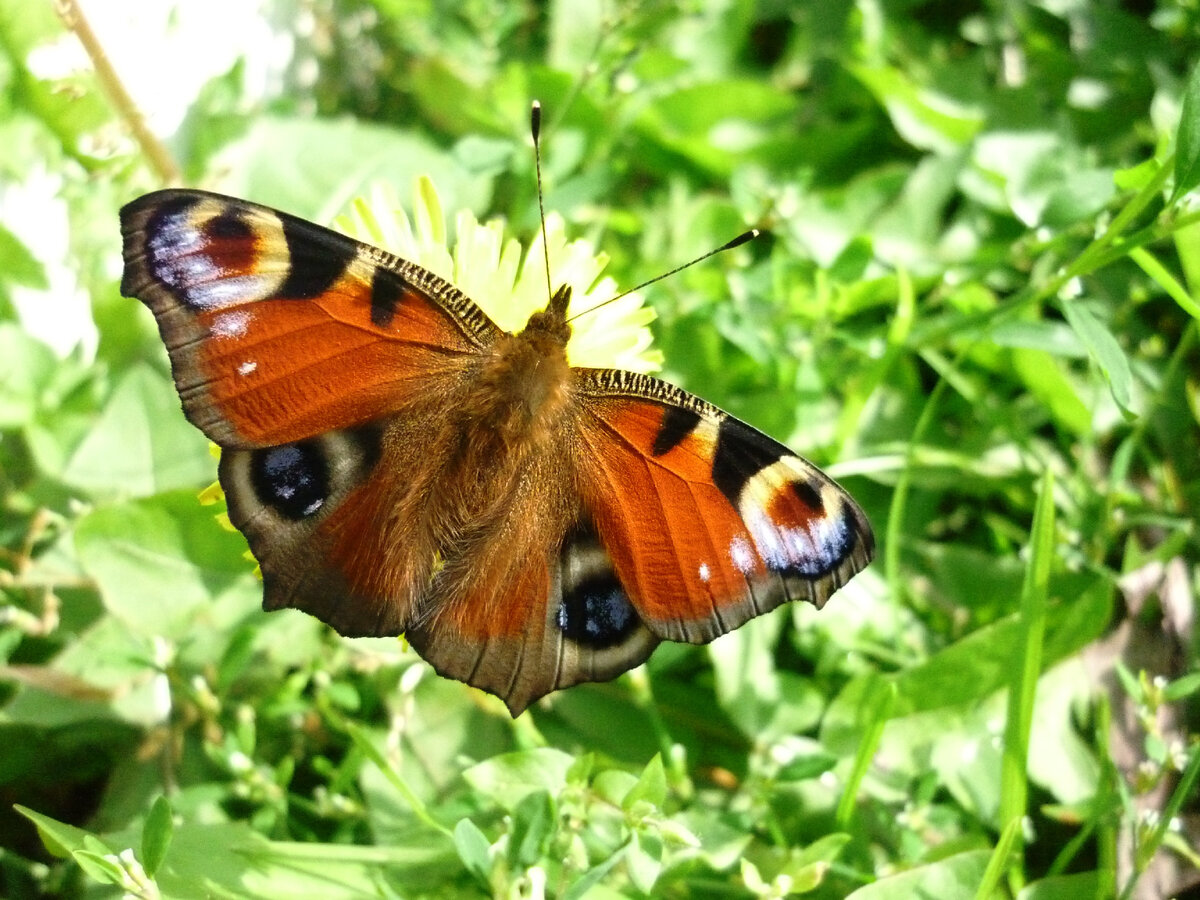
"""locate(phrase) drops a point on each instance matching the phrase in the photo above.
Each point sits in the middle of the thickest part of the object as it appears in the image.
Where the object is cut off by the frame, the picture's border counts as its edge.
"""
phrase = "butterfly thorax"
(523, 385)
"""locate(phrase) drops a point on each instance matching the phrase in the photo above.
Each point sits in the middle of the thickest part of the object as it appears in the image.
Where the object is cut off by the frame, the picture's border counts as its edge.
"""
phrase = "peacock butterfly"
(400, 464)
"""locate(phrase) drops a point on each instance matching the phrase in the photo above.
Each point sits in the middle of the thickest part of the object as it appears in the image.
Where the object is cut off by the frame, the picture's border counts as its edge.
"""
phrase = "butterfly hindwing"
(309, 511)
(280, 330)
(708, 521)
(559, 618)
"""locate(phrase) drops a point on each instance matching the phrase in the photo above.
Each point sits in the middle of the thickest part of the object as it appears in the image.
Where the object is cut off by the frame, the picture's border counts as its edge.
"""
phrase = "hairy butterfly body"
(400, 464)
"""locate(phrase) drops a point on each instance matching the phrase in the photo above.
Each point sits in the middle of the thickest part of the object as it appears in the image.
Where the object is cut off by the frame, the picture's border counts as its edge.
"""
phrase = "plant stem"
(156, 152)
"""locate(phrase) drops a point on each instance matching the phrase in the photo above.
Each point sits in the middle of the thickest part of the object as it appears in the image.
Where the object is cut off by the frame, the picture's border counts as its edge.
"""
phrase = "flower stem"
(159, 157)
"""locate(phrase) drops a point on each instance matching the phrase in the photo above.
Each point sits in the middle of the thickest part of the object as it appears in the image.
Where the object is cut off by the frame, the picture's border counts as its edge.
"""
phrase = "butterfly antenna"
(535, 128)
(742, 238)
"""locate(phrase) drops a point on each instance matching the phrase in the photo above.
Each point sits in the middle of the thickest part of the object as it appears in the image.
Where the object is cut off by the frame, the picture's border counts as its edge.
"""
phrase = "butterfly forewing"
(709, 522)
(281, 330)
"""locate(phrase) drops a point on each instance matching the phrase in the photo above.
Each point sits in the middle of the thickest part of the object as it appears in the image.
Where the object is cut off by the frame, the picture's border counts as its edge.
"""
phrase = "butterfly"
(399, 464)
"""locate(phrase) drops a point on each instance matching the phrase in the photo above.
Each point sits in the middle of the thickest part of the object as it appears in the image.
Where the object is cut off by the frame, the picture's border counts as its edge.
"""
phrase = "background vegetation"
(976, 303)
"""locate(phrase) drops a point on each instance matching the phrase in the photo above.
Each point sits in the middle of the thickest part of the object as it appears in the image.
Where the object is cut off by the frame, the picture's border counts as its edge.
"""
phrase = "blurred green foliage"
(977, 300)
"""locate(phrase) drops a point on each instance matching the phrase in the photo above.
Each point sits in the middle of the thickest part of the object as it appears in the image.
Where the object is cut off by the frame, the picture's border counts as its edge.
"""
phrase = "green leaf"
(1076, 196)
(614, 785)
(18, 265)
(1061, 759)
(809, 765)
(365, 745)
(58, 837)
(651, 786)
(1046, 380)
(474, 850)
(164, 561)
(314, 167)
(1029, 653)
(1082, 884)
(1182, 688)
(509, 777)
(156, 835)
(1104, 349)
(744, 666)
(644, 860)
(980, 663)
(927, 119)
(1137, 176)
(141, 444)
(851, 264)
(714, 124)
(1046, 179)
(953, 878)
(580, 887)
(1055, 338)
(873, 716)
(533, 823)
(1130, 682)
(99, 868)
(233, 860)
(27, 368)
(1187, 139)
(808, 877)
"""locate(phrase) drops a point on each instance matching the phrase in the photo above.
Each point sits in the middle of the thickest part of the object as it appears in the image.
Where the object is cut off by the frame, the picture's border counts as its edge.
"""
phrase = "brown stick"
(157, 154)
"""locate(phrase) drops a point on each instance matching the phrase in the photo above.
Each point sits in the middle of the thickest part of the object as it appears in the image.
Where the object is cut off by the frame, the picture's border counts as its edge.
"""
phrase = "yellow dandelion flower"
(509, 282)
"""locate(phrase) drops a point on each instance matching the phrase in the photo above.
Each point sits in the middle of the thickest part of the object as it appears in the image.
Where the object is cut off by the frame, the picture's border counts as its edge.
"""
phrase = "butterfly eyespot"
(809, 496)
(207, 256)
(802, 550)
(596, 612)
(228, 226)
(292, 479)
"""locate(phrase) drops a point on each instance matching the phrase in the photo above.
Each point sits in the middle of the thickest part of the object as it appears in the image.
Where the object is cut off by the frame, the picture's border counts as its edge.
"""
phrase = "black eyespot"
(596, 612)
(228, 226)
(292, 479)
(808, 495)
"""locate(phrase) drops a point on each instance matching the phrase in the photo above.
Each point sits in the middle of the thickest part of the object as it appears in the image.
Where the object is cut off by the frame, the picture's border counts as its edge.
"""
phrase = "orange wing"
(708, 522)
(280, 330)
